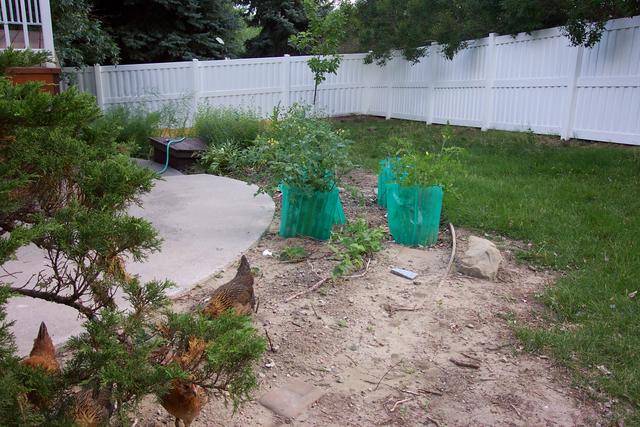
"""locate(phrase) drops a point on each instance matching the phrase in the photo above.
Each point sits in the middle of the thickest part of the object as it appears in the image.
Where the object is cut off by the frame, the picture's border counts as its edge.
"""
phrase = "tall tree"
(386, 25)
(171, 30)
(78, 37)
(278, 20)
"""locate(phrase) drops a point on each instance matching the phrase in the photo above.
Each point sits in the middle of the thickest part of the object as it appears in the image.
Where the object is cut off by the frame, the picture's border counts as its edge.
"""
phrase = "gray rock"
(482, 259)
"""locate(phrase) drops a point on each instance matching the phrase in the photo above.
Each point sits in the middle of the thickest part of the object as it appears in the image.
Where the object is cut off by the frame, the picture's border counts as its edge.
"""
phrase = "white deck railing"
(26, 24)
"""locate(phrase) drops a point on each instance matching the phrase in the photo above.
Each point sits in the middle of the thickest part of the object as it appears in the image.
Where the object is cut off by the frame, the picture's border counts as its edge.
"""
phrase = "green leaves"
(22, 58)
(355, 241)
(427, 168)
(323, 38)
(301, 151)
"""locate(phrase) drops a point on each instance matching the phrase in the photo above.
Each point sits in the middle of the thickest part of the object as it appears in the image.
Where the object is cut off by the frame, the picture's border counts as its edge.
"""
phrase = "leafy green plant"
(352, 243)
(225, 158)
(293, 253)
(223, 125)
(11, 57)
(301, 151)
(133, 127)
(431, 168)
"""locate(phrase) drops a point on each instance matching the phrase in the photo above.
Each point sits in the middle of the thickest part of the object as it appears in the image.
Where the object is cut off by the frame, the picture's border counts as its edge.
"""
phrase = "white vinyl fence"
(536, 82)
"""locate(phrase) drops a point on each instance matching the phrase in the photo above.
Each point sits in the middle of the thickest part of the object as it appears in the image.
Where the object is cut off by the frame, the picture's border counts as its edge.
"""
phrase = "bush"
(223, 125)
(65, 187)
(301, 151)
(133, 127)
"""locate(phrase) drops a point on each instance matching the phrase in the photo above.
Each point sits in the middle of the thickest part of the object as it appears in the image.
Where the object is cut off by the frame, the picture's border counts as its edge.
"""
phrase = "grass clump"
(578, 205)
(228, 132)
(133, 126)
(223, 125)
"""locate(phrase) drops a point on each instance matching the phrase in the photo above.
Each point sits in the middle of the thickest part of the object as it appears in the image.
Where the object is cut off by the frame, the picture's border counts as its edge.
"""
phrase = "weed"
(222, 159)
(342, 323)
(352, 243)
(293, 253)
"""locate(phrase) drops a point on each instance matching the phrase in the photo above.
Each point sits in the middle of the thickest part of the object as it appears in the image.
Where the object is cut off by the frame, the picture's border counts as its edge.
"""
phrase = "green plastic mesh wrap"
(385, 176)
(414, 214)
(310, 214)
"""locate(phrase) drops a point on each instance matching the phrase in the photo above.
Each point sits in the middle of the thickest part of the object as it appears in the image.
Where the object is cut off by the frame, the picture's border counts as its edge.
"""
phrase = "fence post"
(286, 81)
(431, 75)
(195, 75)
(366, 91)
(570, 103)
(389, 88)
(490, 77)
(97, 73)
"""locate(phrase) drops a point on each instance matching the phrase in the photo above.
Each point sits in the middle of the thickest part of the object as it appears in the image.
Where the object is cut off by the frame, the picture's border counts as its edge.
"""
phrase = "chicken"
(89, 411)
(236, 294)
(43, 354)
(184, 400)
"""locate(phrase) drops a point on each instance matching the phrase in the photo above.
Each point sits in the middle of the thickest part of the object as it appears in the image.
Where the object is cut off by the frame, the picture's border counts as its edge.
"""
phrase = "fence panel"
(536, 82)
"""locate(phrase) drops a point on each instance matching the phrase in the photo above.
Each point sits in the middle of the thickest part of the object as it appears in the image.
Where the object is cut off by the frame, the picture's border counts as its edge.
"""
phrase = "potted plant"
(414, 199)
(22, 66)
(303, 156)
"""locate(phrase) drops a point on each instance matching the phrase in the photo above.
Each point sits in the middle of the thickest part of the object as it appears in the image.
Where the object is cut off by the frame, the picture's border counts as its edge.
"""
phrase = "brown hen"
(43, 353)
(89, 411)
(236, 294)
(184, 400)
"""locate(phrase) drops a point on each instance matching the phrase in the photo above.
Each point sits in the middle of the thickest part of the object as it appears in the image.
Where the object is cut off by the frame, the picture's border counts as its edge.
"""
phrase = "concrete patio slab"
(291, 399)
(205, 222)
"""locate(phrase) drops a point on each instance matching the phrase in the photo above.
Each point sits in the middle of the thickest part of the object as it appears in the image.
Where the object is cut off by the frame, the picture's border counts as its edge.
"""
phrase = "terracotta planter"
(49, 76)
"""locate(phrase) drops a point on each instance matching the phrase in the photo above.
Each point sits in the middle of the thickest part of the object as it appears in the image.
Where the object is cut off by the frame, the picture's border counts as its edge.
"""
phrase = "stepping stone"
(291, 399)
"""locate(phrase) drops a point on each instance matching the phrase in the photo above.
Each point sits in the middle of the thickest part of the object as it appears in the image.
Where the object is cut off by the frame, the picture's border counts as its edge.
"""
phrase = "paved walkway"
(206, 222)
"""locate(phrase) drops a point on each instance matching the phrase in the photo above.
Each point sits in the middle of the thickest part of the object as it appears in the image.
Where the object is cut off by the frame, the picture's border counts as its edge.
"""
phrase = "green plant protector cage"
(414, 214)
(385, 176)
(310, 214)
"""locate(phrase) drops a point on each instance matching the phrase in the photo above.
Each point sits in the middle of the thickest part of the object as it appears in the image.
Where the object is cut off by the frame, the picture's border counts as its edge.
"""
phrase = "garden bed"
(345, 338)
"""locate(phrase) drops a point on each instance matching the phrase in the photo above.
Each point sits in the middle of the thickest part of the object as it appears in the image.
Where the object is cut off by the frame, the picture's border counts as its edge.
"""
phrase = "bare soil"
(381, 346)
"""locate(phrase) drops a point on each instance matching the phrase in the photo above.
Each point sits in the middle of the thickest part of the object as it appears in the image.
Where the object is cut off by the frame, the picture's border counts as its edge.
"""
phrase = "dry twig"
(434, 422)
(399, 402)
(306, 291)
(464, 364)
(516, 409)
(355, 276)
(269, 339)
(424, 390)
(386, 373)
(470, 357)
(451, 258)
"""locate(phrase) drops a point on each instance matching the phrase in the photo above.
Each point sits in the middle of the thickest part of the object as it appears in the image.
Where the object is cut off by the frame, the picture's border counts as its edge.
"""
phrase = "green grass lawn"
(579, 204)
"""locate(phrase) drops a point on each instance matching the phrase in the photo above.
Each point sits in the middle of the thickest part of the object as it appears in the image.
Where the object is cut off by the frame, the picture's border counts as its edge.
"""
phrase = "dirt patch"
(381, 346)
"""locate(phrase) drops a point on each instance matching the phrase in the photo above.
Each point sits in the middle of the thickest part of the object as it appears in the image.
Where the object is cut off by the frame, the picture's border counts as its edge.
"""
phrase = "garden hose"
(166, 162)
